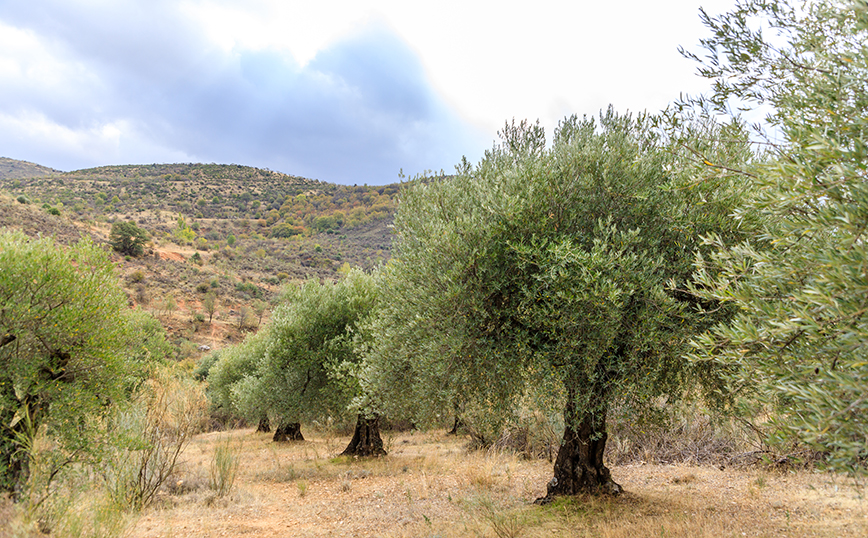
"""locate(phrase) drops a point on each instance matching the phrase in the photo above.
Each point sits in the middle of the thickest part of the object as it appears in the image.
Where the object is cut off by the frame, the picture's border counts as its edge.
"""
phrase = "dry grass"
(429, 485)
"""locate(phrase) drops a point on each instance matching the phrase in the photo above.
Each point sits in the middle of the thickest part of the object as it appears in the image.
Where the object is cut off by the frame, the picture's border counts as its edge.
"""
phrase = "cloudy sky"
(342, 91)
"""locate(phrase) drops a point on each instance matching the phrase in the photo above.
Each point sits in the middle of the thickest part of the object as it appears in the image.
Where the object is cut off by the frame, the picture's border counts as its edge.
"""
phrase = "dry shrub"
(77, 506)
(224, 467)
(675, 434)
(482, 476)
(529, 433)
(14, 521)
(531, 436)
(166, 412)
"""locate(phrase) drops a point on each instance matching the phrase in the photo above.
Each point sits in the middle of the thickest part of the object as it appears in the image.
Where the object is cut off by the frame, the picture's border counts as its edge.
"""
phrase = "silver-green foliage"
(234, 364)
(302, 365)
(557, 270)
(70, 349)
(801, 290)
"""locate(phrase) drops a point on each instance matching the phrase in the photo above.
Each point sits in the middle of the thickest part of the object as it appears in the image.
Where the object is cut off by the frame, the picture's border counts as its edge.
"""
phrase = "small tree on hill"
(259, 308)
(209, 303)
(127, 238)
(557, 272)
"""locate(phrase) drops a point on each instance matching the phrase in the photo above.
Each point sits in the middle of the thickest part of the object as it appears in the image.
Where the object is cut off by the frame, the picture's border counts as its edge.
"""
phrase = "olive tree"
(799, 340)
(230, 367)
(306, 361)
(557, 271)
(68, 349)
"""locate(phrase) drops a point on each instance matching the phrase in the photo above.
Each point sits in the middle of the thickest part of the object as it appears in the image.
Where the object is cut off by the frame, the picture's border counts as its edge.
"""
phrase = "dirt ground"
(430, 485)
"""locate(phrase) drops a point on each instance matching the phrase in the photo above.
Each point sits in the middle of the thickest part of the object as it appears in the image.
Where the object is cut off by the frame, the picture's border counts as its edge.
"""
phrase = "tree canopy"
(302, 365)
(127, 238)
(69, 348)
(557, 270)
(799, 340)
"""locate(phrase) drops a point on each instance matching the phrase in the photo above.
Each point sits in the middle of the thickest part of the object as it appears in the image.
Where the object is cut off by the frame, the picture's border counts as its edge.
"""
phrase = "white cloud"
(492, 61)
(346, 91)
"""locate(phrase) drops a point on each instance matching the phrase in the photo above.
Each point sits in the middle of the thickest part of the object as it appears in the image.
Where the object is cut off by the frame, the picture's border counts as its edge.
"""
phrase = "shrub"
(285, 230)
(224, 468)
(204, 365)
(248, 288)
(65, 349)
(167, 411)
(127, 238)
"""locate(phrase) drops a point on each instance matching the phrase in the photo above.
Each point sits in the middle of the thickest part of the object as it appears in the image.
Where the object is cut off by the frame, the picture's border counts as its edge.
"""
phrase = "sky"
(349, 92)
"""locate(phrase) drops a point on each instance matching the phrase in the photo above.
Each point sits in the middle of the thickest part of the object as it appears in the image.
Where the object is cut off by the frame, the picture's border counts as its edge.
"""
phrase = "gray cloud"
(357, 113)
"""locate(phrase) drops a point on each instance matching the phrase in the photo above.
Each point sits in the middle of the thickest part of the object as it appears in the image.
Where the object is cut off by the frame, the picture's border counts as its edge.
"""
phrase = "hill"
(12, 169)
(235, 231)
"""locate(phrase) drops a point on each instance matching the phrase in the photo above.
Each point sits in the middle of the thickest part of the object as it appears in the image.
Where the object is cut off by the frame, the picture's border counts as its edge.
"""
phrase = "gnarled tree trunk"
(14, 462)
(455, 426)
(366, 439)
(263, 426)
(579, 465)
(288, 432)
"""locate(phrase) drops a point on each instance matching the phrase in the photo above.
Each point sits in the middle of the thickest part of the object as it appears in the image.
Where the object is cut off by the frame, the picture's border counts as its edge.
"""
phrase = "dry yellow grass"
(429, 485)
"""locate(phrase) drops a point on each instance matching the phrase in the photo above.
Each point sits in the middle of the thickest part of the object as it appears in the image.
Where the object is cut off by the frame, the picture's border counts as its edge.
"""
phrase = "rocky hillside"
(235, 232)
(12, 169)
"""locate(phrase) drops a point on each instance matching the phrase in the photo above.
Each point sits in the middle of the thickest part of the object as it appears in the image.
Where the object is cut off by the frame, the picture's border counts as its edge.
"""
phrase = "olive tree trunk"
(264, 426)
(579, 466)
(14, 461)
(288, 432)
(366, 439)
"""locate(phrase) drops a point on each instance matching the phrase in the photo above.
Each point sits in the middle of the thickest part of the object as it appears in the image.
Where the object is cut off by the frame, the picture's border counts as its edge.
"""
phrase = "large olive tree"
(800, 339)
(558, 271)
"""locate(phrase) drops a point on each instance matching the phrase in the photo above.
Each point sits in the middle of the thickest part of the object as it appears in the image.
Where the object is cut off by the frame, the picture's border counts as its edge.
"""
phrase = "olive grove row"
(628, 259)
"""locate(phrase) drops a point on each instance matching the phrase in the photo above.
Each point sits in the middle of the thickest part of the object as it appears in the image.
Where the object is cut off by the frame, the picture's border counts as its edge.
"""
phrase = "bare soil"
(431, 485)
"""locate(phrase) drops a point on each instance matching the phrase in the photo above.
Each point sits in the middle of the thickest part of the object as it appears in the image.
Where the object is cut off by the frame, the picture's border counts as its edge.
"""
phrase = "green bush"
(127, 238)
(248, 288)
(67, 350)
(283, 230)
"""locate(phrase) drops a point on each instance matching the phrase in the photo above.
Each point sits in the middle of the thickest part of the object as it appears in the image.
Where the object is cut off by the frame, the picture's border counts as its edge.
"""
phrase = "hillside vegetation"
(638, 291)
(12, 169)
(233, 231)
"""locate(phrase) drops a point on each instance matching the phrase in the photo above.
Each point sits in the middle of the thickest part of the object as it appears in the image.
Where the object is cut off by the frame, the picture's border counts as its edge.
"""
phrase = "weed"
(152, 433)
(302, 488)
(482, 476)
(224, 467)
(505, 524)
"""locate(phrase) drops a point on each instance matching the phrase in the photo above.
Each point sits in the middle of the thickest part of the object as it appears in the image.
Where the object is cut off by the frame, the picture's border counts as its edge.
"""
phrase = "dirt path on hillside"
(170, 255)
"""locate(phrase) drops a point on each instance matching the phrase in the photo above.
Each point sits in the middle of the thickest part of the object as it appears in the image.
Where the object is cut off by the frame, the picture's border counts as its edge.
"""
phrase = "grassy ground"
(429, 485)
